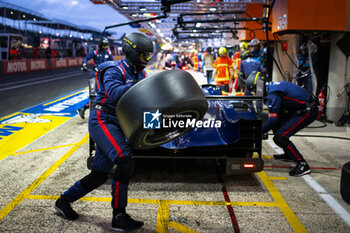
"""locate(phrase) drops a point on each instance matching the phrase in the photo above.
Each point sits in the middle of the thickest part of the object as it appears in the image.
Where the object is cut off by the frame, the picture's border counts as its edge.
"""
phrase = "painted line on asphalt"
(331, 202)
(286, 210)
(36, 79)
(20, 197)
(156, 202)
(42, 149)
(181, 228)
(37, 82)
(65, 97)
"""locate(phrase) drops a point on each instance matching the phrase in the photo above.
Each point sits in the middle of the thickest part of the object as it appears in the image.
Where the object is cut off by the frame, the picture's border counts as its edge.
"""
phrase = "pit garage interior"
(45, 145)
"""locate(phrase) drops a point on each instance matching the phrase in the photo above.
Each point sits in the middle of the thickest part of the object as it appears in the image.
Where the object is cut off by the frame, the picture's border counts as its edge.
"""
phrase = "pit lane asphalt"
(186, 196)
(20, 91)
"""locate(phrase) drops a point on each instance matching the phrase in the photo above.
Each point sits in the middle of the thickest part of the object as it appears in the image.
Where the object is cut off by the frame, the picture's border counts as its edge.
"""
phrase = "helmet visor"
(146, 56)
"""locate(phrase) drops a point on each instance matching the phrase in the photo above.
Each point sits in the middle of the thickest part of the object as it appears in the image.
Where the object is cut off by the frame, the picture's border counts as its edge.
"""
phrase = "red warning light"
(248, 165)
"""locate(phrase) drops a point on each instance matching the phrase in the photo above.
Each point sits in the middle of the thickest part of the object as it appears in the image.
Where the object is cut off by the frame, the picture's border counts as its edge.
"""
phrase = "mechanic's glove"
(84, 67)
(265, 136)
(95, 69)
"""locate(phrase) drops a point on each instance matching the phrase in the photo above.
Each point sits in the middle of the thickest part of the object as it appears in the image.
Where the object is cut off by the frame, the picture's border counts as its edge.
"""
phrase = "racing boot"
(81, 111)
(301, 169)
(123, 222)
(283, 157)
(64, 208)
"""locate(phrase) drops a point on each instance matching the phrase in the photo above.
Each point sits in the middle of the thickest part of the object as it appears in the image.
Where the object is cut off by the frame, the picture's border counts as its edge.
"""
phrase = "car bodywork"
(238, 138)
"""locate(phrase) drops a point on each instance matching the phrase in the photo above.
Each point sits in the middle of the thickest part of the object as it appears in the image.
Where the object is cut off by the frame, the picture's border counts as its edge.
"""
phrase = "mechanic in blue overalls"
(255, 51)
(99, 55)
(112, 148)
(248, 65)
(291, 109)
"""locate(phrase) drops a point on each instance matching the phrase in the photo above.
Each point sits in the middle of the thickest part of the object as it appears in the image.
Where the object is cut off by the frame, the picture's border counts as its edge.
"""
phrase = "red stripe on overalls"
(108, 134)
(104, 98)
(291, 128)
(98, 84)
(294, 153)
(289, 98)
(121, 64)
(116, 195)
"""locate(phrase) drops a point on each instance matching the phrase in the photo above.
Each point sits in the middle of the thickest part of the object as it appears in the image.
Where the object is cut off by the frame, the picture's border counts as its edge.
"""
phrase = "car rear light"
(248, 165)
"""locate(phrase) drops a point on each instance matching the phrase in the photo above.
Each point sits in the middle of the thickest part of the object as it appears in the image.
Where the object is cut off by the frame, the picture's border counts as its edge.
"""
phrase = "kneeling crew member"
(290, 110)
(111, 145)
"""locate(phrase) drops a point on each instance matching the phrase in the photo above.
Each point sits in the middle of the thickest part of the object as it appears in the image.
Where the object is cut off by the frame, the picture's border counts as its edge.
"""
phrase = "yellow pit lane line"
(20, 197)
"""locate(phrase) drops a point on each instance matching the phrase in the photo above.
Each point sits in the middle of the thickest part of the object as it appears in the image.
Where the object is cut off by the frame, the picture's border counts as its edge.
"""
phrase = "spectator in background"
(208, 62)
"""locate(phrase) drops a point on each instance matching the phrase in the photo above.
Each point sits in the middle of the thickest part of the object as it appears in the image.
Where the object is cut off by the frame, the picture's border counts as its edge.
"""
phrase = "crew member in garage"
(303, 75)
(255, 51)
(99, 56)
(290, 109)
(112, 147)
(248, 66)
(243, 49)
(223, 70)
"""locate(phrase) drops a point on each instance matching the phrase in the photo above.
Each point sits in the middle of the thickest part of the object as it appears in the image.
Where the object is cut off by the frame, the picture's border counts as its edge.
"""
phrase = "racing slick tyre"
(170, 93)
(345, 182)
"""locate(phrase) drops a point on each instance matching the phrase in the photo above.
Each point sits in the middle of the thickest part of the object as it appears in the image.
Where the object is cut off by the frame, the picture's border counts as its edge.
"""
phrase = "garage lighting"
(34, 19)
(198, 25)
(70, 35)
(134, 15)
(82, 37)
(11, 12)
(125, 7)
(24, 16)
(212, 9)
(142, 8)
(90, 38)
(40, 32)
(57, 34)
(194, 30)
(158, 30)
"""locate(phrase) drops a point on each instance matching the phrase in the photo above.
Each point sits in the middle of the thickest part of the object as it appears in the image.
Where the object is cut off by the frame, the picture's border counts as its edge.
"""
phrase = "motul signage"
(16, 67)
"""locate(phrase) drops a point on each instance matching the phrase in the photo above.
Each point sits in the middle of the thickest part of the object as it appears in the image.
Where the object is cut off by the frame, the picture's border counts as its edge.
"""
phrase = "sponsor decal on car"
(157, 120)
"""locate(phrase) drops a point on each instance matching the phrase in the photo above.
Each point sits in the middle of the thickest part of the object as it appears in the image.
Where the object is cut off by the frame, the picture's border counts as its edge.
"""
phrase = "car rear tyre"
(171, 92)
(345, 182)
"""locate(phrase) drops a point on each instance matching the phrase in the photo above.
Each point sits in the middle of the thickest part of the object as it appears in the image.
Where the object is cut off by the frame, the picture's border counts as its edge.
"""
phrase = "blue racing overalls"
(290, 110)
(99, 56)
(111, 145)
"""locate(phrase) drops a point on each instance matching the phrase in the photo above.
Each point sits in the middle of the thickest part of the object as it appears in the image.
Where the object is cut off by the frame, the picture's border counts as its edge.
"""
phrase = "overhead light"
(24, 16)
(11, 12)
(158, 30)
(90, 38)
(212, 9)
(71, 35)
(57, 34)
(40, 32)
(134, 15)
(142, 8)
(198, 25)
(194, 30)
(82, 37)
(125, 7)
(34, 19)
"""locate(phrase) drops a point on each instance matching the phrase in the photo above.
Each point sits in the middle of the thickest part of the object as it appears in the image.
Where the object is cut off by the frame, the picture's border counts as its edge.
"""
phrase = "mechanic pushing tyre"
(345, 182)
(169, 92)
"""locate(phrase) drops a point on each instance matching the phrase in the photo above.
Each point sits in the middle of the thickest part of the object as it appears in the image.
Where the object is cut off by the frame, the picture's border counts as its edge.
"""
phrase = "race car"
(192, 122)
